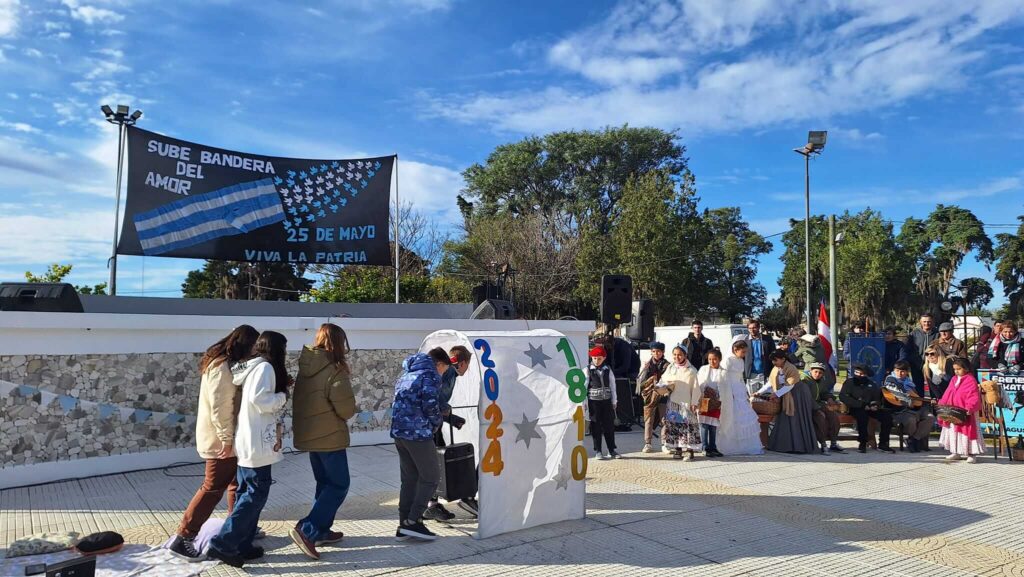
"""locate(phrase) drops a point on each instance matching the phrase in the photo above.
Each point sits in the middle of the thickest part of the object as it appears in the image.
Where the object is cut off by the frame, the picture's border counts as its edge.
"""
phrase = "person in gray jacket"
(917, 342)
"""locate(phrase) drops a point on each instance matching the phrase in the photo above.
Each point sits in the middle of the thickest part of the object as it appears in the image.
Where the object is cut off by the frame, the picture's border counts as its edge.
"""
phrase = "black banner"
(194, 201)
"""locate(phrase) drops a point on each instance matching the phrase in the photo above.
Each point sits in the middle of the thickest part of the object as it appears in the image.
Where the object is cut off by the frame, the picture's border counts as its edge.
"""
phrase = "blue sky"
(923, 101)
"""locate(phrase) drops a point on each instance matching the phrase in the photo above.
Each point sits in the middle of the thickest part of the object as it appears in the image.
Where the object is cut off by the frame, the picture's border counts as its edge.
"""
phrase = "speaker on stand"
(642, 327)
(494, 309)
(616, 299)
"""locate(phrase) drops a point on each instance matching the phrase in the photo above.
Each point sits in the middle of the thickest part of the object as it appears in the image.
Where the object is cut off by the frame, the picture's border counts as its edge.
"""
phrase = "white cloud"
(1011, 70)
(91, 14)
(33, 52)
(8, 17)
(62, 236)
(103, 68)
(431, 189)
(19, 127)
(703, 67)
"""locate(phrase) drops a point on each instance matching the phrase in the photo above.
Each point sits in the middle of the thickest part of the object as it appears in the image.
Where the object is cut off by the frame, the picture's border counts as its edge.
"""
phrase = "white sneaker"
(953, 457)
(971, 460)
(665, 449)
(687, 456)
(598, 455)
(647, 448)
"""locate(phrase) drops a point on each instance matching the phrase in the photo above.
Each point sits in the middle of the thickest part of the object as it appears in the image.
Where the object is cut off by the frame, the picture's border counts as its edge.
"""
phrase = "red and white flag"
(826, 336)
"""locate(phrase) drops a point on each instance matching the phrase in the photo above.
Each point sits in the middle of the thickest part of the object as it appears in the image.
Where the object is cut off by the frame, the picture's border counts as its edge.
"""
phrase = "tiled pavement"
(775, 515)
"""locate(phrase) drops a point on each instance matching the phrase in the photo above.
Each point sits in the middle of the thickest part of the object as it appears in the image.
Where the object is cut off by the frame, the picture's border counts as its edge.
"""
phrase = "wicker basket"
(770, 407)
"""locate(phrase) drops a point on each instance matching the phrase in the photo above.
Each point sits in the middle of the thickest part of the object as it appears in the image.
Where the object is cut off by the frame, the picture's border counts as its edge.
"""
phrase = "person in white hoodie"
(264, 385)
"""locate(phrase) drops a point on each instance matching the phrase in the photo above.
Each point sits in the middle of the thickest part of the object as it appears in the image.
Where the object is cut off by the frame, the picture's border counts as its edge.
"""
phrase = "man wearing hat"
(655, 403)
(826, 422)
(863, 398)
(951, 346)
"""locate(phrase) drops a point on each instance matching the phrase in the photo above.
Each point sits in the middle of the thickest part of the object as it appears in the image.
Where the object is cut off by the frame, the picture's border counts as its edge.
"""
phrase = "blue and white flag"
(232, 210)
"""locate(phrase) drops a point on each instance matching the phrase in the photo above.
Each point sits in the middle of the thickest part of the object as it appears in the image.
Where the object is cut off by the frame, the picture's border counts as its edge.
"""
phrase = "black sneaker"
(836, 449)
(398, 534)
(183, 548)
(886, 450)
(252, 554)
(862, 448)
(470, 506)
(437, 512)
(235, 561)
(416, 530)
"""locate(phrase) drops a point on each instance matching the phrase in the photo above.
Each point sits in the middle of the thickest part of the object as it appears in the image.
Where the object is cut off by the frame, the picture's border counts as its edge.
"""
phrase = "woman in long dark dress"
(794, 426)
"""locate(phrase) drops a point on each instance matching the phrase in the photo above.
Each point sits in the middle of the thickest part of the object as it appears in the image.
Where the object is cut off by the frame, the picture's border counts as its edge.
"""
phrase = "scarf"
(789, 373)
(993, 347)
(1012, 354)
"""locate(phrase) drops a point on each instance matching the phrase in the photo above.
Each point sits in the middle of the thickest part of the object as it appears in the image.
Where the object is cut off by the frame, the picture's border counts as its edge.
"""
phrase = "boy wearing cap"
(655, 399)
(951, 346)
(602, 400)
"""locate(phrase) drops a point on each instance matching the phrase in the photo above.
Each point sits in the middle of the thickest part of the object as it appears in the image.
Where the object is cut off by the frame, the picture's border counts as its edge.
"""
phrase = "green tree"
(728, 265)
(1010, 269)
(938, 245)
(873, 274)
(977, 292)
(56, 273)
(234, 280)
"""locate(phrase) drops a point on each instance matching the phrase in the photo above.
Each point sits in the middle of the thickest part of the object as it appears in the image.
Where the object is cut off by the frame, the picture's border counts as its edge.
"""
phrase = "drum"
(951, 414)
(769, 406)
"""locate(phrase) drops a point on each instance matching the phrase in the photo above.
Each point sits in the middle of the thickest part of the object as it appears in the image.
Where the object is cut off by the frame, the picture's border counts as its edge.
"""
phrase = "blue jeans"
(239, 528)
(708, 434)
(330, 469)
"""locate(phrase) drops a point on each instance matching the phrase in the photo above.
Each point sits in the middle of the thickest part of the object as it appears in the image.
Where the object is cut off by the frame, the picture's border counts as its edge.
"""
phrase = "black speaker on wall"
(39, 297)
(616, 298)
(642, 328)
(494, 309)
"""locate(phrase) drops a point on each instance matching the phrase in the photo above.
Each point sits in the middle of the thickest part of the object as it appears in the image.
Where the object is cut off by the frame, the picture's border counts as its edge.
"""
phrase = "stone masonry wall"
(66, 407)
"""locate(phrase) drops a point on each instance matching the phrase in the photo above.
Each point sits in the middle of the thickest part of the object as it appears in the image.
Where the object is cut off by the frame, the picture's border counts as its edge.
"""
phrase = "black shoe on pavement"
(398, 534)
(862, 448)
(183, 548)
(836, 449)
(470, 506)
(252, 554)
(235, 561)
(416, 530)
(886, 450)
(437, 512)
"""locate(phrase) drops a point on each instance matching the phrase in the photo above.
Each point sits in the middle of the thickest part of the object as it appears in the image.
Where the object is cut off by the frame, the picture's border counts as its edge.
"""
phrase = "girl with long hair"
(322, 404)
(215, 436)
(264, 381)
(962, 440)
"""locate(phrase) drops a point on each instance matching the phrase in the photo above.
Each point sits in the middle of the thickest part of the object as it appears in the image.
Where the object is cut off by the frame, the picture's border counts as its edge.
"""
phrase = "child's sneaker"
(666, 449)
(183, 548)
(688, 456)
(647, 448)
(436, 512)
(614, 455)
(416, 530)
(952, 457)
(971, 459)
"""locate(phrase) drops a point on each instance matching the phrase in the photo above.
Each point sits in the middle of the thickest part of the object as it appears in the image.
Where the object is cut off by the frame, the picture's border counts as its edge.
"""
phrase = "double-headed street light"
(815, 144)
(122, 118)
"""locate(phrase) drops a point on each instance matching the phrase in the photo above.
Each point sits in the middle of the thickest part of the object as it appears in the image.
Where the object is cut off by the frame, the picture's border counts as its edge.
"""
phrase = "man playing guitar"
(899, 395)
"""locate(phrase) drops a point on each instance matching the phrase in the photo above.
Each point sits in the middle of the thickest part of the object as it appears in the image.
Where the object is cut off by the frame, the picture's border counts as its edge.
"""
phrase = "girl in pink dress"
(962, 440)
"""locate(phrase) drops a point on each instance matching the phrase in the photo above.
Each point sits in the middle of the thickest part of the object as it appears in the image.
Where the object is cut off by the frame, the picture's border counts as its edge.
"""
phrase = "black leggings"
(602, 422)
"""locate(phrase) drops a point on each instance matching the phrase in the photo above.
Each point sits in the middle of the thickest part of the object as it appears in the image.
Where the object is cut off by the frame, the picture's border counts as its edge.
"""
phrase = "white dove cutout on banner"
(522, 400)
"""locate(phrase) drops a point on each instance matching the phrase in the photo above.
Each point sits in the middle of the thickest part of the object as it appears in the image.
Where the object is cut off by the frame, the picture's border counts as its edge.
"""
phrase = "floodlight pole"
(123, 120)
(833, 309)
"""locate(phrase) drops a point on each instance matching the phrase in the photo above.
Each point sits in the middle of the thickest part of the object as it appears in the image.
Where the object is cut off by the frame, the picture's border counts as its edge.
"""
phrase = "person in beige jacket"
(216, 419)
(322, 403)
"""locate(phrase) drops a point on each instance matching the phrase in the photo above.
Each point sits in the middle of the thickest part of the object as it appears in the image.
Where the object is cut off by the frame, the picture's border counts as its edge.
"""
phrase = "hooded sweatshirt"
(322, 402)
(416, 410)
(218, 405)
(258, 414)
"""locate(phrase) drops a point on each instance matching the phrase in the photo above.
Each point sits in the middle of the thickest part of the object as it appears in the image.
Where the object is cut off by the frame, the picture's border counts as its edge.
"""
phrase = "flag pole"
(833, 309)
(398, 218)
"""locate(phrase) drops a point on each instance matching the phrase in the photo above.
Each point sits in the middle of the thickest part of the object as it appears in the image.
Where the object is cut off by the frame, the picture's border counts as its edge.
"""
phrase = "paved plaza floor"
(778, 515)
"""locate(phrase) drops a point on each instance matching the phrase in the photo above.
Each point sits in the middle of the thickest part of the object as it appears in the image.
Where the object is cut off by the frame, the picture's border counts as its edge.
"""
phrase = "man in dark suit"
(760, 346)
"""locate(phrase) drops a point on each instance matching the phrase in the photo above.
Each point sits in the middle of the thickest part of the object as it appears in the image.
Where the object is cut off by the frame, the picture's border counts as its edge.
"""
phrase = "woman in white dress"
(739, 432)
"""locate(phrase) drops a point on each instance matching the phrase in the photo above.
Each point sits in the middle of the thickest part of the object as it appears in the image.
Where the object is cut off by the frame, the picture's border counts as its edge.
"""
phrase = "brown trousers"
(653, 415)
(826, 425)
(220, 476)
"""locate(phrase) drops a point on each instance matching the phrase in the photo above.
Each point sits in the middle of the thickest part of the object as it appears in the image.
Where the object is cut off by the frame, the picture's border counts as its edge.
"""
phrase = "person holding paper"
(794, 425)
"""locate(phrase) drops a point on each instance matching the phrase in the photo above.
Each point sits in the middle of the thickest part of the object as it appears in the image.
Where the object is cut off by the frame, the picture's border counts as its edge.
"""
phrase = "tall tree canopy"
(1010, 269)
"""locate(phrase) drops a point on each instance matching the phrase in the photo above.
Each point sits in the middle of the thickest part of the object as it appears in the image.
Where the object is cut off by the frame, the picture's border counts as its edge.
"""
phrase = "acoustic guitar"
(903, 399)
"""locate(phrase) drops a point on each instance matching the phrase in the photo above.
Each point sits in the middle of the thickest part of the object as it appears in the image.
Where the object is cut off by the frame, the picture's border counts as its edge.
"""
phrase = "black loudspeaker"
(642, 329)
(39, 297)
(616, 298)
(484, 291)
(494, 309)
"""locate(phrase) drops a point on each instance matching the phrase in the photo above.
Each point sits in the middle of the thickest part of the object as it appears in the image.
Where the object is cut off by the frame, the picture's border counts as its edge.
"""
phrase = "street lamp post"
(122, 118)
(815, 144)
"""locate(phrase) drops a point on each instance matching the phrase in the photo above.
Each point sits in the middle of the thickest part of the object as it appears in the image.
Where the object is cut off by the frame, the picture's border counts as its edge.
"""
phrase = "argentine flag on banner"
(232, 210)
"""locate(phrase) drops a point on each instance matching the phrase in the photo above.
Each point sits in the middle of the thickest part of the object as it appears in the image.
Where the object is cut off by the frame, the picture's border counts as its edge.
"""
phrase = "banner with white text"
(195, 201)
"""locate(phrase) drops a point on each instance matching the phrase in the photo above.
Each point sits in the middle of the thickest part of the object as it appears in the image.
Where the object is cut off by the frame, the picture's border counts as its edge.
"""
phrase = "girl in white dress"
(739, 432)
(682, 429)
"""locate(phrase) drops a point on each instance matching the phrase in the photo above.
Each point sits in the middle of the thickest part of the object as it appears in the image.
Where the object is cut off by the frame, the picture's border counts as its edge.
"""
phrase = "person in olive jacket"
(322, 403)
(863, 398)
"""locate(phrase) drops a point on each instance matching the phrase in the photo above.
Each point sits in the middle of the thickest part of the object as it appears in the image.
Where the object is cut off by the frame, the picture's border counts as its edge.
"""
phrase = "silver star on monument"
(527, 430)
(562, 479)
(537, 356)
